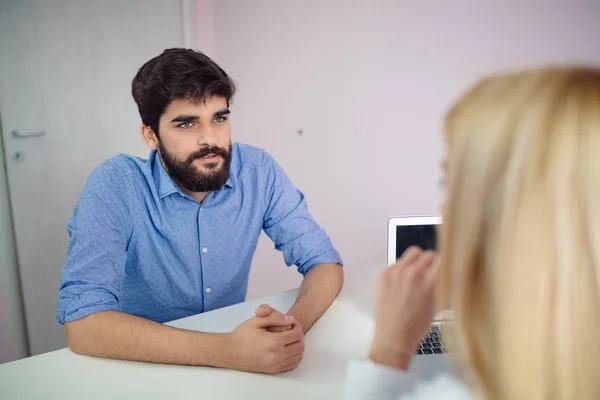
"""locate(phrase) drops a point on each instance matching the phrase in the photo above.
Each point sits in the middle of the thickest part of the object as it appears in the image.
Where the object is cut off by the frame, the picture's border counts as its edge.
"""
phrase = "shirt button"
(205, 250)
(208, 290)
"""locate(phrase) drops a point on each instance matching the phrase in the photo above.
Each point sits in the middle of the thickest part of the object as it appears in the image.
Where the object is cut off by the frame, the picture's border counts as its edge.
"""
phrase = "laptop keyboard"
(433, 342)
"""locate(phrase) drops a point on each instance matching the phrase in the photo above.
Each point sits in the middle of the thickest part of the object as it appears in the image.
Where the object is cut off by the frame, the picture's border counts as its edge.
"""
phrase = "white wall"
(12, 328)
(368, 83)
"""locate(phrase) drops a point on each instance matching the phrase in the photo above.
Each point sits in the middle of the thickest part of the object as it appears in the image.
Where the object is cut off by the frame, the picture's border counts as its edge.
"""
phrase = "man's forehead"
(206, 107)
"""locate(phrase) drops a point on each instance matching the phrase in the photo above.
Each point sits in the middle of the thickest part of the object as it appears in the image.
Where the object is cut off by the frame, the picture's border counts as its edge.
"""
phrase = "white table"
(342, 334)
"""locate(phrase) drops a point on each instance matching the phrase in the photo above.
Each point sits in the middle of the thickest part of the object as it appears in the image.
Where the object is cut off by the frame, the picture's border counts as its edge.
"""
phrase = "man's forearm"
(321, 285)
(113, 334)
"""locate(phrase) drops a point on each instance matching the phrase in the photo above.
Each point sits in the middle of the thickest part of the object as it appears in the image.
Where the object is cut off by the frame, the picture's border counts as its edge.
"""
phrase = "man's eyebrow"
(185, 118)
(222, 112)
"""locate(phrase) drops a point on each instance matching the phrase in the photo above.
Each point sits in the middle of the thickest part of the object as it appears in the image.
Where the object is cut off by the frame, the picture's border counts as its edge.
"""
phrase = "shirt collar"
(165, 184)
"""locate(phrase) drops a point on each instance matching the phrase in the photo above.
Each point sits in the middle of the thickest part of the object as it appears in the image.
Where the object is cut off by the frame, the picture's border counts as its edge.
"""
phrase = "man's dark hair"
(177, 74)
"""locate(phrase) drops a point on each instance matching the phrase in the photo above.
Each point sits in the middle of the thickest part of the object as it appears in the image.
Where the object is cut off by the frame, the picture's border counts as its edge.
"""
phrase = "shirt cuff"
(86, 303)
(371, 381)
(332, 257)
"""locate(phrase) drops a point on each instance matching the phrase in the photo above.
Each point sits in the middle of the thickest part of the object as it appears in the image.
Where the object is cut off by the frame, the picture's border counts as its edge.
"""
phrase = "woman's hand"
(405, 307)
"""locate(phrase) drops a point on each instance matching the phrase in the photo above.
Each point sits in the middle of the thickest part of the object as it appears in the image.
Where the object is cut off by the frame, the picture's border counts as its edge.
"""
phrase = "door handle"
(25, 133)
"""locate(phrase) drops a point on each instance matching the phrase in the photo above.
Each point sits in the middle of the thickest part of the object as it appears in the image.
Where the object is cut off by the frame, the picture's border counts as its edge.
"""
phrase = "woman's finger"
(409, 255)
(433, 269)
(423, 264)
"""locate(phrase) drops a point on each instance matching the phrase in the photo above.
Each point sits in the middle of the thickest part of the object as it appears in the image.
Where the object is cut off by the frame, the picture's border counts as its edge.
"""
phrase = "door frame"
(13, 329)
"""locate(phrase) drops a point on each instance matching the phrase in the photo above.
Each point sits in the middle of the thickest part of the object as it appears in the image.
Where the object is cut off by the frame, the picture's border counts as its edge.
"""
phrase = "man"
(160, 239)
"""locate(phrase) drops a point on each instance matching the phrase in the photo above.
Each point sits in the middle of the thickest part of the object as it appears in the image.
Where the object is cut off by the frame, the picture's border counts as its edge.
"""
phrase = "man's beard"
(191, 177)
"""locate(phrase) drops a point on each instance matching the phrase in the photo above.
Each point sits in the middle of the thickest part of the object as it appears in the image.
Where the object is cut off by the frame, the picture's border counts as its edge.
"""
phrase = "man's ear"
(149, 137)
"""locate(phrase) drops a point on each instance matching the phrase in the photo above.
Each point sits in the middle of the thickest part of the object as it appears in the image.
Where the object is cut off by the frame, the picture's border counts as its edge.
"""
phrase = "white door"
(65, 84)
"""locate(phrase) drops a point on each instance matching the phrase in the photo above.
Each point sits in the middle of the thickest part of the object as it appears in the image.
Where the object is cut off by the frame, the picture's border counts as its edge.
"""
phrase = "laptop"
(421, 231)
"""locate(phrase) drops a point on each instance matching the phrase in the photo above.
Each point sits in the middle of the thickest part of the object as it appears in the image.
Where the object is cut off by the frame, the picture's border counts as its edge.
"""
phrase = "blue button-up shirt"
(140, 245)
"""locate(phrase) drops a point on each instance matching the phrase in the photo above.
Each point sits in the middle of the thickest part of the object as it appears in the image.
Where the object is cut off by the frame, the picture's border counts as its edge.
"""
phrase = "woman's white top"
(366, 381)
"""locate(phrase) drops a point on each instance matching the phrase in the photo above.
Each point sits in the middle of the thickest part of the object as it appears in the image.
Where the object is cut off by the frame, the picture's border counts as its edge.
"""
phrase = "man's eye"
(220, 120)
(185, 125)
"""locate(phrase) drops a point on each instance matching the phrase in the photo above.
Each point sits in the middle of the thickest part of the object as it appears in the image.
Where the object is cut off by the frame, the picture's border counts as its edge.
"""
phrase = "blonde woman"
(519, 262)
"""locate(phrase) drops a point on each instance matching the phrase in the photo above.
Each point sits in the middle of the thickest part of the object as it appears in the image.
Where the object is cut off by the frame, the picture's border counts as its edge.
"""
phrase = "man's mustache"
(218, 151)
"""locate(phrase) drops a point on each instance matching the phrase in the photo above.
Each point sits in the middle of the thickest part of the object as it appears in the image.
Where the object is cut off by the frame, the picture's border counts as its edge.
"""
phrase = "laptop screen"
(423, 236)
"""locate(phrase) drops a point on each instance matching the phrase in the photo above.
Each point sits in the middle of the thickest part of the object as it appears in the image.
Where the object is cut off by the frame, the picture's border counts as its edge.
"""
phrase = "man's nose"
(208, 137)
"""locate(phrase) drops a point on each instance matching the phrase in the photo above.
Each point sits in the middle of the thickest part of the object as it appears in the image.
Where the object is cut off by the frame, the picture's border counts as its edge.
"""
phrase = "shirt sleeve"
(371, 381)
(290, 226)
(367, 381)
(99, 231)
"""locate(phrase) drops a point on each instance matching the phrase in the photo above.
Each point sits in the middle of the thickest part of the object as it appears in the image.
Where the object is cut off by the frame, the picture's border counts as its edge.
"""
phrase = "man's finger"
(291, 363)
(263, 310)
(273, 319)
(293, 349)
(293, 335)
(279, 328)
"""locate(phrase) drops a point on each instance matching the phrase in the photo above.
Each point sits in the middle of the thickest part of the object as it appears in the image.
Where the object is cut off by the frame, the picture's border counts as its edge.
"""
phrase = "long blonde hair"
(521, 234)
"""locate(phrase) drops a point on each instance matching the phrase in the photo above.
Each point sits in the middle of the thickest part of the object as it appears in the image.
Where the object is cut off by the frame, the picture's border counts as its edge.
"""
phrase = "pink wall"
(369, 81)
(205, 29)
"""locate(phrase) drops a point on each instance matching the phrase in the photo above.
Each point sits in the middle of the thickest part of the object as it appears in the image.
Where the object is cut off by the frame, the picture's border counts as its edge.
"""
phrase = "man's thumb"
(263, 310)
(274, 319)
